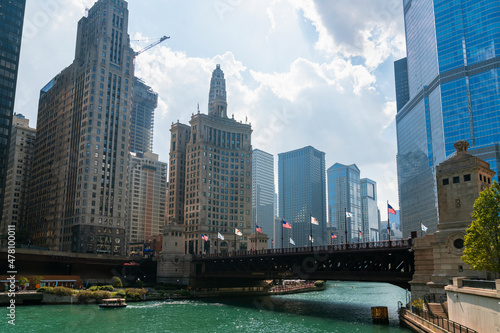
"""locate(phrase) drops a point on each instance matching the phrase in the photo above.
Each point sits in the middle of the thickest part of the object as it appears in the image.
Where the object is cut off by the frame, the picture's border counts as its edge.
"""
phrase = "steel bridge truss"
(390, 262)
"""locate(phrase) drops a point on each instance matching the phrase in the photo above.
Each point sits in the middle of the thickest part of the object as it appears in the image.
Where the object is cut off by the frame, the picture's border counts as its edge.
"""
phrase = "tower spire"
(217, 104)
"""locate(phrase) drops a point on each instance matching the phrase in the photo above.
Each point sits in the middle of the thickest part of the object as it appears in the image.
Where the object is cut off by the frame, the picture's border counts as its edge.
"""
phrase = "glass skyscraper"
(263, 192)
(369, 210)
(142, 117)
(11, 28)
(344, 196)
(453, 49)
(302, 194)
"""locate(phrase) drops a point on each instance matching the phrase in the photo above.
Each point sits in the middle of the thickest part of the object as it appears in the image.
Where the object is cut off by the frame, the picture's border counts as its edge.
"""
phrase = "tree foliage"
(117, 282)
(23, 281)
(482, 241)
(36, 280)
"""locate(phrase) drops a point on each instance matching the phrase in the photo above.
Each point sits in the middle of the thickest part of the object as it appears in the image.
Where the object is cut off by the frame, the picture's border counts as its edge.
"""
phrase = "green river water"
(342, 307)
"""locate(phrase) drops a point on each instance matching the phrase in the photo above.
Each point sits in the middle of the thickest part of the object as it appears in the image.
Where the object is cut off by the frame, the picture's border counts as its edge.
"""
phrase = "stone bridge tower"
(459, 179)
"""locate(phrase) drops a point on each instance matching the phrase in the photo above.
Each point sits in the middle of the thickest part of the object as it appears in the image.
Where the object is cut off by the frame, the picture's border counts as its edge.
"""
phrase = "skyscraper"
(344, 198)
(210, 177)
(147, 197)
(302, 194)
(79, 180)
(15, 210)
(11, 28)
(263, 192)
(369, 210)
(452, 50)
(142, 122)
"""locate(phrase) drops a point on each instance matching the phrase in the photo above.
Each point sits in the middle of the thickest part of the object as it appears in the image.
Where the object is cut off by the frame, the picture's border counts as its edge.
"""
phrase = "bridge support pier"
(459, 179)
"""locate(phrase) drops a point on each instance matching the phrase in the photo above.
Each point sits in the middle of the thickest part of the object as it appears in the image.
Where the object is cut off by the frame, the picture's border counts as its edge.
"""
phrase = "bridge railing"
(445, 323)
(399, 243)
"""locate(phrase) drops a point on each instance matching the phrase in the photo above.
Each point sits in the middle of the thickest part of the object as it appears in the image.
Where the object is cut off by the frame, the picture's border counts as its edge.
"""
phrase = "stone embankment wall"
(474, 307)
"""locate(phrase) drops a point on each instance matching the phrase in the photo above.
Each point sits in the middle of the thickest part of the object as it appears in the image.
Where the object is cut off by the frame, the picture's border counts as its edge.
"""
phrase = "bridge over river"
(384, 261)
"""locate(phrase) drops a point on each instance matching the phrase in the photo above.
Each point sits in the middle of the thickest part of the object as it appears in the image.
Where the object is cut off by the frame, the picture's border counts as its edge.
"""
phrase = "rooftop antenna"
(198, 107)
(86, 11)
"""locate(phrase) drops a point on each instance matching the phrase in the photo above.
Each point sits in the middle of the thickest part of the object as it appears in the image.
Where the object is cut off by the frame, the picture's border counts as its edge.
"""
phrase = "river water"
(343, 307)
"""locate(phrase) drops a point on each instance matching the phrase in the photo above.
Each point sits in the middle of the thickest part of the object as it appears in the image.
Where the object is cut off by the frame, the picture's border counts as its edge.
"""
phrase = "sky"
(302, 72)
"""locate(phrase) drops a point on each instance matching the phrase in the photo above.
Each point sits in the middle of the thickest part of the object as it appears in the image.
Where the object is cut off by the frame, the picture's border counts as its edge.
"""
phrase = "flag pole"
(235, 240)
(388, 225)
(311, 225)
(282, 245)
(345, 218)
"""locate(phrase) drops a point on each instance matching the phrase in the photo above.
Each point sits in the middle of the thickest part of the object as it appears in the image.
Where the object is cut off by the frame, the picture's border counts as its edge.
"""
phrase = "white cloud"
(356, 28)
(306, 74)
(390, 110)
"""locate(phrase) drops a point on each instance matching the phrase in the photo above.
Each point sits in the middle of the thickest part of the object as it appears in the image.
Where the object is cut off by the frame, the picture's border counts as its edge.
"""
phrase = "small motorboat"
(113, 303)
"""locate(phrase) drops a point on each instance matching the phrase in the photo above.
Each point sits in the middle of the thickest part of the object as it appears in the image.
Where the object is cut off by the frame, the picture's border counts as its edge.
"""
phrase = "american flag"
(391, 210)
(286, 225)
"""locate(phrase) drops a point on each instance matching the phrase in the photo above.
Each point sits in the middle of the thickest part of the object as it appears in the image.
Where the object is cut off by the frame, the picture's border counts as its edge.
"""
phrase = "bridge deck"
(372, 261)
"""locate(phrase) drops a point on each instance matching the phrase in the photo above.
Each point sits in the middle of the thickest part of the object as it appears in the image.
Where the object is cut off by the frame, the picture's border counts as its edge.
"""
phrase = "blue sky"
(302, 72)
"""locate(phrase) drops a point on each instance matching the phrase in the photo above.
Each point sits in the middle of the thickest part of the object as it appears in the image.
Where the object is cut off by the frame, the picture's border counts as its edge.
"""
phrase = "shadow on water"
(334, 303)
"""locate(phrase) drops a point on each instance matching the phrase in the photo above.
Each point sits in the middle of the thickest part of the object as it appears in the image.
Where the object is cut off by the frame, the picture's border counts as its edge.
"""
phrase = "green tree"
(482, 241)
(117, 282)
(23, 281)
(36, 280)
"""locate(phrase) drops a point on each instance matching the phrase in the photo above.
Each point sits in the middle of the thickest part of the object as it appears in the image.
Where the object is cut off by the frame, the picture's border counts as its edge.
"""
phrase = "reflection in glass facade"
(344, 195)
(11, 28)
(263, 193)
(453, 49)
(401, 82)
(301, 183)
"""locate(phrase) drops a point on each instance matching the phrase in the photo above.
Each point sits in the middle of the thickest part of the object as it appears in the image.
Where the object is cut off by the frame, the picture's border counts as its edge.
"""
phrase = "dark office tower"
(263, 193)
(302, 194)
(11, 28)
(453, 47)
(143, 116)
(78, 189)
(401, 80)
(210, 177)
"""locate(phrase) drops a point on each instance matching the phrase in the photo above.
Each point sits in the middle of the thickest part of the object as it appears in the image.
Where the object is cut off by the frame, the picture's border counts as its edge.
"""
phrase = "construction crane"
(151, 45)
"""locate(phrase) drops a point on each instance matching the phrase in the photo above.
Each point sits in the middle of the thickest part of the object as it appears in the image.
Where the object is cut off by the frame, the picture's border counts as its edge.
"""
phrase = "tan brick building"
(79, 180)
(210, 177)
(15, 205)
